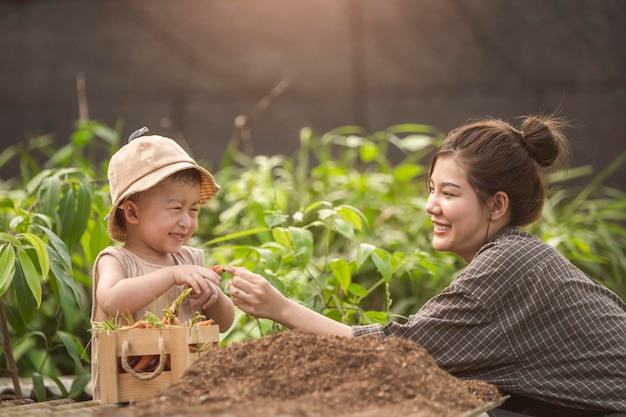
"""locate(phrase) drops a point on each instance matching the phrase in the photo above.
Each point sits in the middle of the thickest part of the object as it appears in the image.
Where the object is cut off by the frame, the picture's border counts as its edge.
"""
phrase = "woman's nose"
(431, 204)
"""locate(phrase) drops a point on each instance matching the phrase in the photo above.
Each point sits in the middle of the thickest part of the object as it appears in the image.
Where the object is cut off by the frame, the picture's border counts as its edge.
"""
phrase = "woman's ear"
(499, 205)
(131, 210)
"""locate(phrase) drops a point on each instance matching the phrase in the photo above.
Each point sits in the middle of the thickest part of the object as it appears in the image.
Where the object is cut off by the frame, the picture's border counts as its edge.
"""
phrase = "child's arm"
(118, 295)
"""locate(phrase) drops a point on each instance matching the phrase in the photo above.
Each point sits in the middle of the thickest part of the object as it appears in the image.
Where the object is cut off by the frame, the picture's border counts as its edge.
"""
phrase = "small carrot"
(204, 323)
(219, 269)
(139, 324)
(144, 362)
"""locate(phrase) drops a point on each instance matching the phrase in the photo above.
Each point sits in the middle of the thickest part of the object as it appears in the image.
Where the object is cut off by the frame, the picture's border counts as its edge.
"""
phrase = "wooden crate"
(178, 343)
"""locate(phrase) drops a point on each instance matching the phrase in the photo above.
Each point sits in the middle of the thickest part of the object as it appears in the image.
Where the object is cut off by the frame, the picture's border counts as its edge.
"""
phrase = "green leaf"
(238, 235)
(49, 195)
(315, 205)
(7, 267)
(275, 219)
(363, 252)
(6, 237)
(79, 385)
(15, 319)
(414, 143)
(407, 172)
(276, 283)
(325, 213)
(24, 345)
(344, 228)
(60, 385)
(15, 221)
(59, 247)
(40, 250)
(353, 141)
(358, 290)
(30, 274)
(66, 213)
(81, 137)
(83, 209)
(382, 260)
(303, 241)
(71, 345)
(37, 180)
(341, 270)
(39, 387)
(369, 151)
(63, 275)
(352, 215)
(379, 317)
(271, 259)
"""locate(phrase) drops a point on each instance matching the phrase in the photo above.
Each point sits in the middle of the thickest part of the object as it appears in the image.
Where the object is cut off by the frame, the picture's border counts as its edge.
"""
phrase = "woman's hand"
(256, 296)
(253, 294)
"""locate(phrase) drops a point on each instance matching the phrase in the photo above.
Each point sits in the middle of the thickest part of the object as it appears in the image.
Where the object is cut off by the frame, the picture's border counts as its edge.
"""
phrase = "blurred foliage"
(338, 226)
(51, 229)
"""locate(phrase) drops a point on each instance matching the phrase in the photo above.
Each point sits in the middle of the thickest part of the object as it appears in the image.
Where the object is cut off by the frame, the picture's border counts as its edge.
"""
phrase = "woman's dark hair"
(495, 156)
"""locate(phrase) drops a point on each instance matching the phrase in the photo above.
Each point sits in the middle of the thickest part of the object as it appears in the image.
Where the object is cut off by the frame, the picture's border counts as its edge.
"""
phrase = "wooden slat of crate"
(118, 387)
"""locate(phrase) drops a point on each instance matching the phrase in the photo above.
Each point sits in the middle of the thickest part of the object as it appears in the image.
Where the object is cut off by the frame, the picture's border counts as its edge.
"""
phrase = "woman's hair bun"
(544, 139)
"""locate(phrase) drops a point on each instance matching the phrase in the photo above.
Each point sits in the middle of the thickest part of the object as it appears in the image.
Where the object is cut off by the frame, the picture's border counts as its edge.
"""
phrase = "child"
(157, 191)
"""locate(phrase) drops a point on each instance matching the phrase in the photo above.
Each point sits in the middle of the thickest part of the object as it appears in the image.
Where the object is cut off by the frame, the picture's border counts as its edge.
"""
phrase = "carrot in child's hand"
(219, 269)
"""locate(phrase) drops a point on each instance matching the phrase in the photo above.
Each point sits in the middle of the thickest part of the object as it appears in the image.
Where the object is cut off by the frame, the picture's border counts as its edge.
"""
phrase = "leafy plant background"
(339, 226)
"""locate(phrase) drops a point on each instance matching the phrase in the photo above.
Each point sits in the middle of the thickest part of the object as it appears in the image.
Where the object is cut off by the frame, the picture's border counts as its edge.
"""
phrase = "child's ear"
(130, 211)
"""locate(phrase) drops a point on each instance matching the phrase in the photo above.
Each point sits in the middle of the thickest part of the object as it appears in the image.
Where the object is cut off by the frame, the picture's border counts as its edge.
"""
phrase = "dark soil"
(302, 375)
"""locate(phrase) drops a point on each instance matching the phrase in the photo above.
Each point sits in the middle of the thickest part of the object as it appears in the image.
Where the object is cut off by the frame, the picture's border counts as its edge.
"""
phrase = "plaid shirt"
(523, 318)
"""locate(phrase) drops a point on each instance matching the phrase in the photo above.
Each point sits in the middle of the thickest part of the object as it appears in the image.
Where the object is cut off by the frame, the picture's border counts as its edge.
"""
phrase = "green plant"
(587, 225)
(49, 236)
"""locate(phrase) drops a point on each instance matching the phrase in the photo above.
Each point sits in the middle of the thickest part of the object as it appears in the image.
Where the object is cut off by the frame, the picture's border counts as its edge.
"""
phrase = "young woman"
(520, 316)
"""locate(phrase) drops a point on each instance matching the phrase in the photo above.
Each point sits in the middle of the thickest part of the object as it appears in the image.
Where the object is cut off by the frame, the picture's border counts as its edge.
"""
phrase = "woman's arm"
(253, 294)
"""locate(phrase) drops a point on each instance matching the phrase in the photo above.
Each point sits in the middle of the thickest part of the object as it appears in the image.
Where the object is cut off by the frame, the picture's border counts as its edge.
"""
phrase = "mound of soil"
(298, 374)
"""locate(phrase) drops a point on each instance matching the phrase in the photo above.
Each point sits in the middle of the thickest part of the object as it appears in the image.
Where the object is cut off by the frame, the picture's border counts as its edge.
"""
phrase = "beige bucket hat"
(143, 163)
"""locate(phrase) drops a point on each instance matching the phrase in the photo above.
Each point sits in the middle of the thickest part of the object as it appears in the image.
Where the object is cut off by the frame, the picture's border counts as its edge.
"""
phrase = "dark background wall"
(187, 68)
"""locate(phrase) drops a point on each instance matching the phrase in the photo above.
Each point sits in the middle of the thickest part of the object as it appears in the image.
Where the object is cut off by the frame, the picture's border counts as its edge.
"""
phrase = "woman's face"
(461, 223)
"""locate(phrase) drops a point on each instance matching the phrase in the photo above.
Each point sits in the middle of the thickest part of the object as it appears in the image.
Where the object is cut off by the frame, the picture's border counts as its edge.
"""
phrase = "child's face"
(168, 215)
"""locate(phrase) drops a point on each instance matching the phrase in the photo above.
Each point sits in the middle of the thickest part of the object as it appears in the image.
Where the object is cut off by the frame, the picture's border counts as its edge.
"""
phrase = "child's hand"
(207, 299)
(197, 277)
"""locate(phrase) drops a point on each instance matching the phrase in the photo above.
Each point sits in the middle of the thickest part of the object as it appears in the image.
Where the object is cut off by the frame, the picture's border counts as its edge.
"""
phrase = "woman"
(520, 315)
